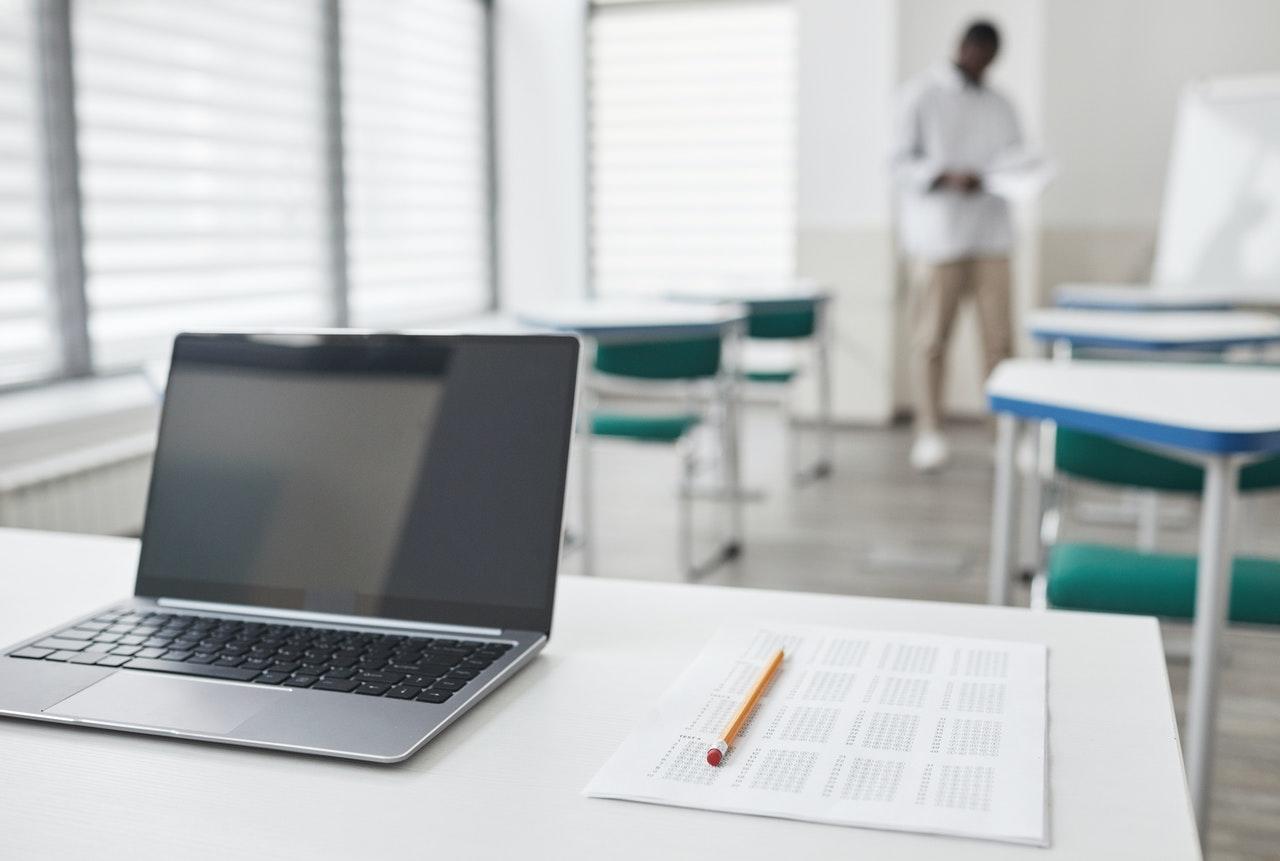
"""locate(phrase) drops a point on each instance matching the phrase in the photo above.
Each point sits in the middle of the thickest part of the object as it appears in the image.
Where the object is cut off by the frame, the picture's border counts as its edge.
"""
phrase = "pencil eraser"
(714, 756)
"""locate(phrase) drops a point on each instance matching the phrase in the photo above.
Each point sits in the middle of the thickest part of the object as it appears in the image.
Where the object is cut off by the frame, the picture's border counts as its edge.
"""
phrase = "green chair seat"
(1102, 459)
(776, 377)
(1120, 580)
(650, 428)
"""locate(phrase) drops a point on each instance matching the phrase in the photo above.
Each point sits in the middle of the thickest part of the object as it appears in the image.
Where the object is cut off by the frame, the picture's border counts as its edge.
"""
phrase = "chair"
(1088, 576)
(792, 321)
(695, 365)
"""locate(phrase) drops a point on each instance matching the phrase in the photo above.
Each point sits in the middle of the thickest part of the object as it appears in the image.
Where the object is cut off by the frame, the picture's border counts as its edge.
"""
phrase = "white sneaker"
(930, 452)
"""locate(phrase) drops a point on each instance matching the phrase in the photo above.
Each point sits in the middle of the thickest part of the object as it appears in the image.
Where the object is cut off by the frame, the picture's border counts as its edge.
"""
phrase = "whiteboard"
(1220, 222)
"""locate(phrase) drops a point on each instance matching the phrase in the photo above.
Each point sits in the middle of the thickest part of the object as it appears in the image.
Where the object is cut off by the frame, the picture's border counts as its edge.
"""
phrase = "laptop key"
(339, 673)
(464, 675)
(381, 677)
(448, 685)
(57, 643)
(100, 648)
(270, 678)
(32, 652)
(175, 655)
(112, 660)
(300, 681)
(434, 696)
(372, 690)
(403, 692)
(61, 655)
(85, 658)
(186, 669)
(343, 685)
(150, 652)
(76, 634)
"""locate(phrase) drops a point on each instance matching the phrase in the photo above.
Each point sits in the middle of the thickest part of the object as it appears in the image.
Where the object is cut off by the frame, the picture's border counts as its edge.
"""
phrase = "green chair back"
(765, 324)
(683, 359)
(1102, 459)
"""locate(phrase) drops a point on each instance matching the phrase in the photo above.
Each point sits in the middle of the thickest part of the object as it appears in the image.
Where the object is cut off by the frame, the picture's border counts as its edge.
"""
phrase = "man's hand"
(957, 180)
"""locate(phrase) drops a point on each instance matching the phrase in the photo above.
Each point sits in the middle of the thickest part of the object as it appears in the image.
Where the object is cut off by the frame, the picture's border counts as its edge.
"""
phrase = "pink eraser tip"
(714, 756)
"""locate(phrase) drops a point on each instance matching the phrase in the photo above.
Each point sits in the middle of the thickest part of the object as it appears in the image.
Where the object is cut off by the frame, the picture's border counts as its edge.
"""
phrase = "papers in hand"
(1018, 176)
(908, 732)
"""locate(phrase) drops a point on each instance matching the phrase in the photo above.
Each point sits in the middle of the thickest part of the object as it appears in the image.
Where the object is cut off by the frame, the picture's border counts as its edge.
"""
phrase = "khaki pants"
(936, 293)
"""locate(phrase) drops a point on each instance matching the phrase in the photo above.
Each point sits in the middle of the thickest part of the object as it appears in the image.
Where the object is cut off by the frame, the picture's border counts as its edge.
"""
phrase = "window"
(28, 348)
(415, 135)
(692, 141)
(236, 163)
(201, 134)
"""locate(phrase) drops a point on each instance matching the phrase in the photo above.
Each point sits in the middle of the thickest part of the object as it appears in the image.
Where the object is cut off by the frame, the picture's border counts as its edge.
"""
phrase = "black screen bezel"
(487, 615)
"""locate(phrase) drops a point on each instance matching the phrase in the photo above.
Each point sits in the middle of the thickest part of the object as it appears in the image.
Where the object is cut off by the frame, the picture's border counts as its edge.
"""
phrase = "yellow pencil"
(717, 753)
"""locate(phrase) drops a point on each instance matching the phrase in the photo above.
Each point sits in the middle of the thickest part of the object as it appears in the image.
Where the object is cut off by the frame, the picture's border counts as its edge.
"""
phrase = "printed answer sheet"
(910, 732)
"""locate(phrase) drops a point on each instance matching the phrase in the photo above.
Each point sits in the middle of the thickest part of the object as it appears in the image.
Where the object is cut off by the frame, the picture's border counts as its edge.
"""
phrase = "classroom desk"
(1216, 415)
(507, 779)
(1150, 331)
(1154, 297)
(616, 321)
(782, 296)
(1064, 330)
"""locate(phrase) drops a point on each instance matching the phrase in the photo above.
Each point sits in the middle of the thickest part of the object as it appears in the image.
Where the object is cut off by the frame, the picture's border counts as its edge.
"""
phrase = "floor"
(877, 528)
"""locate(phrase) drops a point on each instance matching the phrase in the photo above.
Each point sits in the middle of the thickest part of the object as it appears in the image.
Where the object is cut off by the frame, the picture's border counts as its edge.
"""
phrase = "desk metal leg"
(1002, 510)
(1213, 590)
(1032, 511)
(729, 393)
(826, 458)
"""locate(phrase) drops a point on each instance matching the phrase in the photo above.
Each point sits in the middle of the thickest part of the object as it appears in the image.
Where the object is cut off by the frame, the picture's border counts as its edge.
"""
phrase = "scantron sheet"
(910, 732)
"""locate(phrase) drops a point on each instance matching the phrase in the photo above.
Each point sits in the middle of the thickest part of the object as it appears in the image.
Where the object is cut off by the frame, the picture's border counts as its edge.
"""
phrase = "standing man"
(952, 128)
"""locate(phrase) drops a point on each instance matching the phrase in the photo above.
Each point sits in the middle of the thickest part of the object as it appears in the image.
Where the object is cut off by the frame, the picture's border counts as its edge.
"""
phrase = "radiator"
(99, 489)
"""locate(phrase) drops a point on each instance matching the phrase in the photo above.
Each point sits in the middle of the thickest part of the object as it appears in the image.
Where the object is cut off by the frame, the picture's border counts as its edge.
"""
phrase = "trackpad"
(163, 702)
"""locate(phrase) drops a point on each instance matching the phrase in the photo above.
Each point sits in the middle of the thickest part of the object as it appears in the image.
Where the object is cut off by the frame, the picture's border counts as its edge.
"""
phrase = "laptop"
(350, 540)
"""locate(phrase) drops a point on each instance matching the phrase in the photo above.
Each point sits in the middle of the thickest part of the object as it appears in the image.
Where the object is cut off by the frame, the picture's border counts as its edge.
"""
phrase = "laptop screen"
(398, 476)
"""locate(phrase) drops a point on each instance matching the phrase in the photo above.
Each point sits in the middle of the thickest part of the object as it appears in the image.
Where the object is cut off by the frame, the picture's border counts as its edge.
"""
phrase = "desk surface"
(621, 318)
(759, 293)
(1220, 409)
(1156, 297)
(1146, 330)
(507, 779)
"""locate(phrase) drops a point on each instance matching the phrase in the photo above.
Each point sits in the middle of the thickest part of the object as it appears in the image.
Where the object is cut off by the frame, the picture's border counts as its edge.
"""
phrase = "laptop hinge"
(328, 618)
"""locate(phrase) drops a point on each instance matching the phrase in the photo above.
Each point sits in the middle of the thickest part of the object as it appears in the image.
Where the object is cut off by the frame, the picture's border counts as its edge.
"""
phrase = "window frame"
(594, 7)
(61, 204)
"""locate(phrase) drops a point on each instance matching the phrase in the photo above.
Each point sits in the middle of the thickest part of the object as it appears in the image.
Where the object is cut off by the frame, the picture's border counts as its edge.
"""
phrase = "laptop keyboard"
(425, 669)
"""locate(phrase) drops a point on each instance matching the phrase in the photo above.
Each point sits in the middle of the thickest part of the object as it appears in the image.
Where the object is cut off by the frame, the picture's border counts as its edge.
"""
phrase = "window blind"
(28, 348)
(415, 131)
(692, 123)
(201, 135)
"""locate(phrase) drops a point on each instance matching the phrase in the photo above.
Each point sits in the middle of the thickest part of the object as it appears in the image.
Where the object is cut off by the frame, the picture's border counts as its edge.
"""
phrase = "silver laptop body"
(351, 539)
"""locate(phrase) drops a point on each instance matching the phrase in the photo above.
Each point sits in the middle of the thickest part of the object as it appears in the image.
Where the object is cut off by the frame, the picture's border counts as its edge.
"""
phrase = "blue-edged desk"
(1219, 416)
(1153, 331)
(784, 296)
(1158, 297)
(620, 321)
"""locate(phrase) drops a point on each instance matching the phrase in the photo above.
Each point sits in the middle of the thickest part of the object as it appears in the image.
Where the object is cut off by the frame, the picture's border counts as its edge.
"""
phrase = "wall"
(846, 71)
(1113, 73)
(540, 125)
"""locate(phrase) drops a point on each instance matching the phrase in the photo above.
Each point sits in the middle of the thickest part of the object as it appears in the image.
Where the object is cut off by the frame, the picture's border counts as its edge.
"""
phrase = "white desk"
(1156, 297)
(1217, 415)
(1150, 331)
(506, 780)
